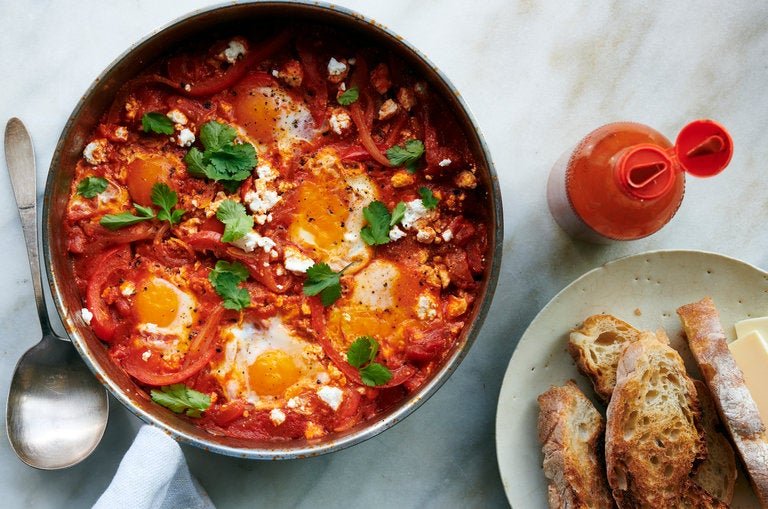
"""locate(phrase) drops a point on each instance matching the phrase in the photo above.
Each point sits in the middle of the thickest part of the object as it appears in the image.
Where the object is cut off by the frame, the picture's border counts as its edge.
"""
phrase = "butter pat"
(759, 325)
(751, 354)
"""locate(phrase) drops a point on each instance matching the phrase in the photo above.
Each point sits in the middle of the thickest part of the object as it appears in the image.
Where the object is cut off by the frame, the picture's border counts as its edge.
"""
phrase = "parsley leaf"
(427, 198)
(156, 123)
(375, 374)
(380, 221)
(324, 281)
(406, 155)
(163, 197)
(361, 354)
(362, 351)
(180, 398)
(236, 222)
(348, 96)
(115, 221)
(225, 277)
(397, 214)
(216, 135)
(91, 186)
(223, 160)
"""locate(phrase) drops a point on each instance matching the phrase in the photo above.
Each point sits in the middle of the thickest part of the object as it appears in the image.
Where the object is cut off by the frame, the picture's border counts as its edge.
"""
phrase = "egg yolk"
(142, 174)
(258, 114)
(272, 373)
(320, 215)
(157, 303)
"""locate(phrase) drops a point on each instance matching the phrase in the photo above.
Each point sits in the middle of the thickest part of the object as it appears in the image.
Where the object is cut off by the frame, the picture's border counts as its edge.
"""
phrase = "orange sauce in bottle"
(591, 197)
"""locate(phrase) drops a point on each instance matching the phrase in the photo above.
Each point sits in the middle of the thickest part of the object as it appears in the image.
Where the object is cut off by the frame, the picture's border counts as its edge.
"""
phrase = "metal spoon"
(57, 411)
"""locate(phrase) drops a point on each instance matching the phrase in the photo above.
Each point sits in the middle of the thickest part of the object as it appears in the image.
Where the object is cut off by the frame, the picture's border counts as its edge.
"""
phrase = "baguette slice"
(570, 431)
(596, 347)
(717, 473)
(725, 380)
(652, 436)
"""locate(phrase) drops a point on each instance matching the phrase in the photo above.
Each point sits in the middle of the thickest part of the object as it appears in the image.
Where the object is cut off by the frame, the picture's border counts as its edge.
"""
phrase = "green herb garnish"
(156, 123)
(380, 221)
(321, 279)
(225, 278)
(180, 398)
(91, 186)
(123, 219)
(163, 197)
(348, 96)
(236, 222)
(361, 355)
(406, 155)
(427, 198)
(223, 160)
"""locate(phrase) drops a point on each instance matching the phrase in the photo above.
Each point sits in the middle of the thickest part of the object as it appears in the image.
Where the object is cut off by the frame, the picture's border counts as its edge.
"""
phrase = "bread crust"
(570, 430)
(653, 438)
(725, 380)
(596, 361)
(717, 473)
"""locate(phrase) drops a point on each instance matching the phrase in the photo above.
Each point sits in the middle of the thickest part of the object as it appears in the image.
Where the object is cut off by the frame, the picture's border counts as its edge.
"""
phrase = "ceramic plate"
(644, 290)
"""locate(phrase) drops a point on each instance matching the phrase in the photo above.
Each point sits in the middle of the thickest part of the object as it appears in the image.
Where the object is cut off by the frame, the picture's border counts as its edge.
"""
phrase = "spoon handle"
(20, 157)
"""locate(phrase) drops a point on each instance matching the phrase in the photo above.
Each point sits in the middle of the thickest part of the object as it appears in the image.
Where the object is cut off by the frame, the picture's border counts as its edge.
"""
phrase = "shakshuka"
(278, 237)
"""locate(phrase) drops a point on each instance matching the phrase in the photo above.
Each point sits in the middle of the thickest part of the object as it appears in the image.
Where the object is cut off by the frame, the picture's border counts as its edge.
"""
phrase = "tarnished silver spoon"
(57, 411)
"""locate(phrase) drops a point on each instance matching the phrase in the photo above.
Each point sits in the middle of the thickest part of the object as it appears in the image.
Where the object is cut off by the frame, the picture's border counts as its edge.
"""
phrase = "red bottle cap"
(703, 149)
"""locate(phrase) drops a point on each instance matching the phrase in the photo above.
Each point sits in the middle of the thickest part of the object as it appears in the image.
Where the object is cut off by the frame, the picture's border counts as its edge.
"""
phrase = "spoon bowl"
(57, 411)
(54, 407)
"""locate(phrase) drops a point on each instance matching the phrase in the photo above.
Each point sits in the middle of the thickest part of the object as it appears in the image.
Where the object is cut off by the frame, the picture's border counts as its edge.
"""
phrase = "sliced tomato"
(427, 345)
(314, 82)
(200, 352)
(458, 269)
(103, 322)
(199, 83)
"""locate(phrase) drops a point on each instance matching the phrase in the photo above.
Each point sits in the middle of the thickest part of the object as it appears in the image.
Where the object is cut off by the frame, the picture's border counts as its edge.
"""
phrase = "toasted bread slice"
(696, 497)
(725, 380)
(570, 431)
(596, 347)
(717, 473)
(652, 435)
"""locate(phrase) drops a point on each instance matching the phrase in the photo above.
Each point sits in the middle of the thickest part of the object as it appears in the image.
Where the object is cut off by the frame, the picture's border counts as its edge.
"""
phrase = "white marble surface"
(537, 75)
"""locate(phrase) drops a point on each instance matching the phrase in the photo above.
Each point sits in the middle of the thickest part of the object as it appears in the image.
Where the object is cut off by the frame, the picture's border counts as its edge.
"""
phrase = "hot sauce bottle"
(625, 181)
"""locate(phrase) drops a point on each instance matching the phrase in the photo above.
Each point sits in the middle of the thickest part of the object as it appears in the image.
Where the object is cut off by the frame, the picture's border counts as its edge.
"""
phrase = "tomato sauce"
(326, 117)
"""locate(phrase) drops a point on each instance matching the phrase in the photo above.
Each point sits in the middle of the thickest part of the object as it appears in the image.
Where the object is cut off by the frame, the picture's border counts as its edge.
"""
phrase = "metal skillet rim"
(372, 427)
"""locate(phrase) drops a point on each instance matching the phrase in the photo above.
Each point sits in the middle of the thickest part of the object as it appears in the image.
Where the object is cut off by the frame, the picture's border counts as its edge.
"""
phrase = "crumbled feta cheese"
(351, 237)
(127, 289)
(266, 172)
(185, 138)
(146, 355)
(234, 51)
(96, 152)
(177, 117)
(447, 235)
(260, 200)
(426, 308)
(425, 235)
(331, 395)
(87, 315)
(396, 233)
(251, 240)
(275, 73)
(296, 261)
(336, 68)
(342, 86)
(323, 378)
(121, 133)
(298, 404)
(187, 87)
(352, 61)
(387, 110)
(340, 121)
(444, 163)
(277, 416)
(414, 211)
